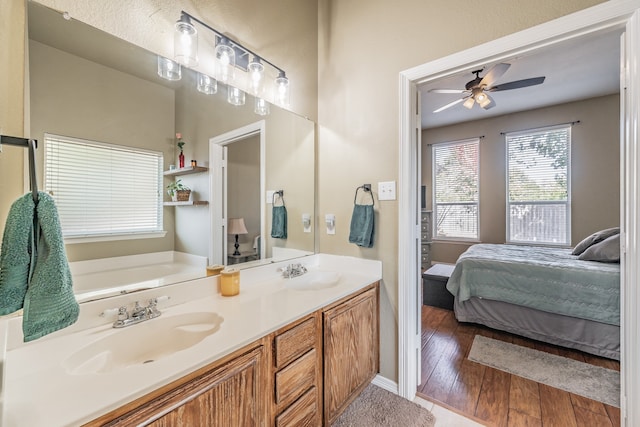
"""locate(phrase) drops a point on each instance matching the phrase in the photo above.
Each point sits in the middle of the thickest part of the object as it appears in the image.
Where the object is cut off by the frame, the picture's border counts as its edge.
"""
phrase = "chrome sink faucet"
(138, 313)
(293, 270)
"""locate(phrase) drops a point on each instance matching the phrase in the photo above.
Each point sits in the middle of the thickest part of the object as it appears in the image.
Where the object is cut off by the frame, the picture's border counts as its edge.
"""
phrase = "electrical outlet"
(387, 190)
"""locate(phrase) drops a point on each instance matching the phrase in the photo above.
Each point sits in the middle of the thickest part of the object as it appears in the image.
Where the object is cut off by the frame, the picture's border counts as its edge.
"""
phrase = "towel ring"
(367, 189)
(280, 194)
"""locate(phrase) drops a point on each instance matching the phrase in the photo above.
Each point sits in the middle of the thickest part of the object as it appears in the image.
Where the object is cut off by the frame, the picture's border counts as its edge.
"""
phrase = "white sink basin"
(313, 280)
(143, 343)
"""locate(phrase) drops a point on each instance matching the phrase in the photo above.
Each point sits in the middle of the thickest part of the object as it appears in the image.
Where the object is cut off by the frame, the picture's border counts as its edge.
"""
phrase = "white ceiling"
(582, 68)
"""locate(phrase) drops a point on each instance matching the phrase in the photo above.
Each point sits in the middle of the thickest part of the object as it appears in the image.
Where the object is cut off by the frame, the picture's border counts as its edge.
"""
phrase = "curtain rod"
(575, 122)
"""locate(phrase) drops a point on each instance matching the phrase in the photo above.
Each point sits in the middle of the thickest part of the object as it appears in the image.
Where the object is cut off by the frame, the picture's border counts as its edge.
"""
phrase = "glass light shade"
(206, 84)
(167, 69)
(235, 96)
(469, 102)
(256, 73)
(282, 90)
(484, 100)
(185, 42)
(225, 62)
(261, 107)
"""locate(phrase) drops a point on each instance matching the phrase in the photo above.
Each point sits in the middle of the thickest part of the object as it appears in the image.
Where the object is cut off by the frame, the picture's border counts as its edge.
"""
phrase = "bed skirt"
(589, 336)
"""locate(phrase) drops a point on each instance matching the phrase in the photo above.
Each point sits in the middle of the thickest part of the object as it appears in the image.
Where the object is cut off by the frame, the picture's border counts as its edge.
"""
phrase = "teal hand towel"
(49, 303)
(279, 222)
(362, 226)
(15, 255)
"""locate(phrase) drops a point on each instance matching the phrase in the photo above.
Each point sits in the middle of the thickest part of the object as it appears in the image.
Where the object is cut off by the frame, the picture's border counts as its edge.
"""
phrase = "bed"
(542, 293)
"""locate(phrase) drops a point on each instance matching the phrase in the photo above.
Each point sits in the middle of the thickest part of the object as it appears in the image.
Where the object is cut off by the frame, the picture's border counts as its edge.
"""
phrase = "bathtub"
(99, 278)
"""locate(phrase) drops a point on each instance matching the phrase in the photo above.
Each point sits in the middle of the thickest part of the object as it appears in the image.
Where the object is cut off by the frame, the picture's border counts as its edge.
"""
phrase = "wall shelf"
(185, 171)
(189, 203)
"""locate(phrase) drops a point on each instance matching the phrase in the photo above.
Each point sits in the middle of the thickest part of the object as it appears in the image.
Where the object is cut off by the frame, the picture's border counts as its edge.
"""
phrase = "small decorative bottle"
(181, 158)
(180, 145)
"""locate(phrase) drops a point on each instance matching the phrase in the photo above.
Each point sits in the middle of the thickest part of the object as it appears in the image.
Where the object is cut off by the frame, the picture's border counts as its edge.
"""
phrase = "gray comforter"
(547, 279)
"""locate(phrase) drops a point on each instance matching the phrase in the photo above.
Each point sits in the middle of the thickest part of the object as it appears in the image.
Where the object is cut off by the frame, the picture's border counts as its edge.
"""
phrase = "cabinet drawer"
(294, 342)
(296, 378)
(302, 413)
(425, 216)
(425, 249)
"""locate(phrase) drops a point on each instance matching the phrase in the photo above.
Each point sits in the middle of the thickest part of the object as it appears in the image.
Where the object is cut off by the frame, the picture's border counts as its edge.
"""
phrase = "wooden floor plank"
(479, 392)
(556, 408)
(590, 419)
(493, 402)
(518, 419)
(524, 396)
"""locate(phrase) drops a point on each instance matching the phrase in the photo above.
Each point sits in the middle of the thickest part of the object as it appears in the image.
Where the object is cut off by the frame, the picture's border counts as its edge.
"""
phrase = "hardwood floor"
(494, 397)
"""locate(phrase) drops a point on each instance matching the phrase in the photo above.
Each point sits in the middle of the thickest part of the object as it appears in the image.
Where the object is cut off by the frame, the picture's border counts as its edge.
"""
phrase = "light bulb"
(225, 61)
(261, 107)
(167, 69)
(206, 84)
(481, 97)
(282, 90)
(185, 42)
(256, 72)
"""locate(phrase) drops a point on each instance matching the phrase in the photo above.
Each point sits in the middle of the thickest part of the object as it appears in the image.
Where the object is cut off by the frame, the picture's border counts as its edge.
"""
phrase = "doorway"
(237, 181)
(598, 18)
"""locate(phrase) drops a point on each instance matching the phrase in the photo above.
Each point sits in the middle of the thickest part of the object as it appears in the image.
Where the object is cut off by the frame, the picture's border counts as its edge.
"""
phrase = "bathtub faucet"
(137, 314)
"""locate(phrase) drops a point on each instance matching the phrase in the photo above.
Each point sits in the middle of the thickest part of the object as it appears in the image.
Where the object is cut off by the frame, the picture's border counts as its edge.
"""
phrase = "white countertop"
(39, 391)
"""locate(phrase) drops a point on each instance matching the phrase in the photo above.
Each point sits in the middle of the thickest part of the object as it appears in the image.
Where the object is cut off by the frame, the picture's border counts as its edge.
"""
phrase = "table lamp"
(236, 226)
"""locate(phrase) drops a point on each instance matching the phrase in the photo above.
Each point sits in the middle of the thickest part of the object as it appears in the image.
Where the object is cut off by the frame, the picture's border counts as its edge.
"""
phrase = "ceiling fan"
(476, 90)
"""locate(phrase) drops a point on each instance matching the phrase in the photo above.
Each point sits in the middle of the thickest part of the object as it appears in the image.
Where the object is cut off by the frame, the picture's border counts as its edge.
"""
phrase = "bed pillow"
(606, 251)
(596, 237)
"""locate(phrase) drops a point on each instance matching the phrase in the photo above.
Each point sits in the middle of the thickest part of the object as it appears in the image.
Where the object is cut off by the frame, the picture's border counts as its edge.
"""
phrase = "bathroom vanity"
(284, 352)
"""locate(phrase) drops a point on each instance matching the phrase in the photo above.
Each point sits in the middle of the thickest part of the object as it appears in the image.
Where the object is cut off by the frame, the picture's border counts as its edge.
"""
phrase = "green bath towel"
(47, 297)
(362, 226)
(279, 222)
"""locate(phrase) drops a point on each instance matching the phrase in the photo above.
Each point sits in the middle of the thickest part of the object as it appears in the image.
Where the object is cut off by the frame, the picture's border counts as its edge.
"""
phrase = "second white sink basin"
(143, 343)
(313, 280)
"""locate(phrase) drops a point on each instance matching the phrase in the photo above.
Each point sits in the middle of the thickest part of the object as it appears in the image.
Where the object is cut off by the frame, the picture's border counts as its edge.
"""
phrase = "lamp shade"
(236, 226)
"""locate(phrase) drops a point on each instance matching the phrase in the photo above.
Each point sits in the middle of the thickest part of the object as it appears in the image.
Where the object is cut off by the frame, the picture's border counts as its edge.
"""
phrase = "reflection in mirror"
(89, 85)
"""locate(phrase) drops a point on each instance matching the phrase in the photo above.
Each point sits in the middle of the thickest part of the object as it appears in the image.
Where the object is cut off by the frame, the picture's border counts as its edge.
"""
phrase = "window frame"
(567, 203)
(94, 235)
(434, 225)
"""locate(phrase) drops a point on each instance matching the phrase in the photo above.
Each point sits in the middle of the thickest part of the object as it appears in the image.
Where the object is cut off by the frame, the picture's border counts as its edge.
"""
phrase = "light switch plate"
(387, 190)
(269, 197)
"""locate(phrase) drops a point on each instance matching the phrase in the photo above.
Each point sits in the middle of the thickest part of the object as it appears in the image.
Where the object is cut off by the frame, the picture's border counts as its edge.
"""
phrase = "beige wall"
(595, 167)
(75, 97)
(363, 45)
(12, 63)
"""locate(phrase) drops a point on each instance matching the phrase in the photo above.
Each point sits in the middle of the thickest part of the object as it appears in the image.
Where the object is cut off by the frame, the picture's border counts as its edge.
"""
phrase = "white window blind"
(456, 189)
(103, 189)
(538, 186)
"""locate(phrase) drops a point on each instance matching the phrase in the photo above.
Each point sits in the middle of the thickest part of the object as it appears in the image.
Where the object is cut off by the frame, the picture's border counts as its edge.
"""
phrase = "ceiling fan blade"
(447, 91)
(449, 105)
(517, 84)
(494, 74)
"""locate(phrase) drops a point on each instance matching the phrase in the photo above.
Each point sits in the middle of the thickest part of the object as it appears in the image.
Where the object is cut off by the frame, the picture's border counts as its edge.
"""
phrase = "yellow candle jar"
(230, 282)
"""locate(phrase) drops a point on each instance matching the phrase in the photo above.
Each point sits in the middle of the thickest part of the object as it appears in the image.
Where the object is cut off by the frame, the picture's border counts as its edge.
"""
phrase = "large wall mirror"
(90, 85)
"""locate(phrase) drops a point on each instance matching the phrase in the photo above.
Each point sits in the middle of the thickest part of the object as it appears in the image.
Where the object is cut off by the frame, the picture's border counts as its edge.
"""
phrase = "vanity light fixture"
(206, 84)
(167, 69)
(185, 42)
(229, 56)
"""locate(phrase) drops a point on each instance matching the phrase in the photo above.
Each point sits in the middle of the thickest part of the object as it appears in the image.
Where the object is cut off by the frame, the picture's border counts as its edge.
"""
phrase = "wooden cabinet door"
(351, 351)
(229, 395)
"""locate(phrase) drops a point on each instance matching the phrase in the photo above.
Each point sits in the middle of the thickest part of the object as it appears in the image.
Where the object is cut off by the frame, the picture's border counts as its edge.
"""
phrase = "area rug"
(570, 375)
(378, 407)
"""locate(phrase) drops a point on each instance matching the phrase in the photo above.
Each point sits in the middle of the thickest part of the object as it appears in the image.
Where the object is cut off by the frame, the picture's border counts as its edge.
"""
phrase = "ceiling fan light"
(469, 103)
(481, 97)
(485, 101)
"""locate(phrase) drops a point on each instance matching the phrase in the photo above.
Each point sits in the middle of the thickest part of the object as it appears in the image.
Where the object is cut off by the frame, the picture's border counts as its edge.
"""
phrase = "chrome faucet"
(293, 270)
(138, 313)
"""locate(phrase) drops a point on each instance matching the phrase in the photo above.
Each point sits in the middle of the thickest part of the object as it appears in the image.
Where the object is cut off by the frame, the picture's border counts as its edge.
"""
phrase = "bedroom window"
(455, 190)
(538, 186)
(104, 191)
